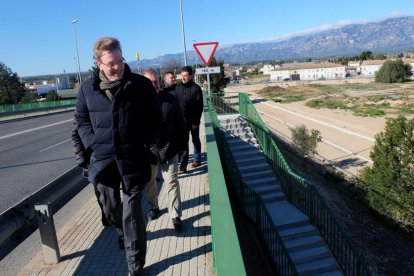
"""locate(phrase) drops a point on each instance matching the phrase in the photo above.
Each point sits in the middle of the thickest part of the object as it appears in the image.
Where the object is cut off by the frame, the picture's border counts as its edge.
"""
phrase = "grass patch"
(293, 98)
(327, 102)
(369, 111)
(405, 110)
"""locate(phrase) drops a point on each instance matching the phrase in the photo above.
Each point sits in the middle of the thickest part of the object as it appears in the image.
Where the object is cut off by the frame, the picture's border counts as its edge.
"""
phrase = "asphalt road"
(33, 152)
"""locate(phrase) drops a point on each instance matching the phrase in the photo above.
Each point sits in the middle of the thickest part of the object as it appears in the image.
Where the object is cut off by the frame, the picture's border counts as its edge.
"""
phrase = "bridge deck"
(87, 248)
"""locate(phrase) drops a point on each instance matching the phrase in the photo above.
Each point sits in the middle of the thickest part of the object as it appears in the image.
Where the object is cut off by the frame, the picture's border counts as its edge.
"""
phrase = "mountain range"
(390, 35)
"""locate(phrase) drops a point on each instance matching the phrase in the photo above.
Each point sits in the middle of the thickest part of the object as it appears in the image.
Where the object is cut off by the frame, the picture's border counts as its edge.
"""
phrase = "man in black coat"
(190, 98)
(171, 142)
(118, 117)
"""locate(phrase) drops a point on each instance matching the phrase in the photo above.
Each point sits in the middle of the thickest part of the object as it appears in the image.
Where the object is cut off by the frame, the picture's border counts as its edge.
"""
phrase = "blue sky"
(37, 36)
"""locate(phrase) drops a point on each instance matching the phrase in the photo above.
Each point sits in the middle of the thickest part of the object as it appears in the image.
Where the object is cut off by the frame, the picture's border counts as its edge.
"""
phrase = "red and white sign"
(206, 51)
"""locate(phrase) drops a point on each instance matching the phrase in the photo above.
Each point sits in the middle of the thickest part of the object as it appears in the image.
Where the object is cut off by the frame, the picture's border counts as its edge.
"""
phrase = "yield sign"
(206, 51)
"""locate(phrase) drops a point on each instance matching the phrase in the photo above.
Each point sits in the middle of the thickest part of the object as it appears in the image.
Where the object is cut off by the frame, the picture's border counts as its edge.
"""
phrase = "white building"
(308, 71)
(371, 67)
(267, 68)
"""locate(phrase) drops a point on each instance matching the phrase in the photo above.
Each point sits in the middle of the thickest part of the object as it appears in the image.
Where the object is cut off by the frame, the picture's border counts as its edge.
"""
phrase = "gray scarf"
(110, 87)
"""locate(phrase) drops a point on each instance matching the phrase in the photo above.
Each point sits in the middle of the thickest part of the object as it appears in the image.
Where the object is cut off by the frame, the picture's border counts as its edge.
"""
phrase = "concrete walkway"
(87, 248)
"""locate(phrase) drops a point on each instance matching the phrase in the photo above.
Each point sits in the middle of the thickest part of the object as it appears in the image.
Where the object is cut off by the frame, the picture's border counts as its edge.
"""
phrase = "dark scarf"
(110, 87)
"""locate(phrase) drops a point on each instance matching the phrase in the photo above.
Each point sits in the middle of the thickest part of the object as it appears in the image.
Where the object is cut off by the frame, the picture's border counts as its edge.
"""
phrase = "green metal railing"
(299, 192)
(10, 108)
(227, 256)
(251, 202)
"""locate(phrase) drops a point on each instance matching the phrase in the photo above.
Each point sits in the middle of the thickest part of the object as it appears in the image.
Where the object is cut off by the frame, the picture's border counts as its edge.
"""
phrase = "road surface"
(33, 152)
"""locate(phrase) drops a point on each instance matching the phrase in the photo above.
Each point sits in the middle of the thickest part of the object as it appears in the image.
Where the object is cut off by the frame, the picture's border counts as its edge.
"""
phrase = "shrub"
(305, 141)
(390, 180)
(393, 71)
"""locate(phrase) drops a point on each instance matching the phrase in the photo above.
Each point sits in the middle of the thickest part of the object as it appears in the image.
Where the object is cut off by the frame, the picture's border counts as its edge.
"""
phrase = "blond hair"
(105, 44)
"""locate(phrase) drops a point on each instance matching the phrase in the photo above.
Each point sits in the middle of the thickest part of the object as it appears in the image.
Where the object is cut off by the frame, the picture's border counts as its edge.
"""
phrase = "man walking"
(190, 99)
(118, 118)
(171, 142)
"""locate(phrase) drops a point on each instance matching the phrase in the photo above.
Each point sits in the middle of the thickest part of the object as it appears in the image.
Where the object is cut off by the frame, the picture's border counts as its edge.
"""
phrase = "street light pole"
(77, 52)
(182, 30)
(196, 65)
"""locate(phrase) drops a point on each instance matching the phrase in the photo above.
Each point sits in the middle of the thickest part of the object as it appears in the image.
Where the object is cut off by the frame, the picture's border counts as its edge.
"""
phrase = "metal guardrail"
(36, 211)
(227, 254)
(300, 193)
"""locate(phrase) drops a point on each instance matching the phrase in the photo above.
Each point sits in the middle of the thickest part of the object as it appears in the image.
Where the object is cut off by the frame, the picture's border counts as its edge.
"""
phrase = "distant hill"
(390, 35)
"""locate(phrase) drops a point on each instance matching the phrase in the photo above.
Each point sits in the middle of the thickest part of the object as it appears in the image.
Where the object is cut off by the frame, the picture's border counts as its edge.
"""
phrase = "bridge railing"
(299, 192)
(227, 254)
(251, 202)
(9, 109)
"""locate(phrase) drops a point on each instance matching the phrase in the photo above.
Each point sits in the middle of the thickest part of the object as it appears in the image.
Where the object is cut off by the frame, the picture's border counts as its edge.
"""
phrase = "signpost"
(206, 52)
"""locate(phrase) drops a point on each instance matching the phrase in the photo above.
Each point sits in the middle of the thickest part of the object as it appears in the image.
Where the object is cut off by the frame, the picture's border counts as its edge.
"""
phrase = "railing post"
(48, 234)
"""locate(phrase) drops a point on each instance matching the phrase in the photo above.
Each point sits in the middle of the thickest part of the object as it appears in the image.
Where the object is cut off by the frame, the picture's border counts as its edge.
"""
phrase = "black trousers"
(126, 216)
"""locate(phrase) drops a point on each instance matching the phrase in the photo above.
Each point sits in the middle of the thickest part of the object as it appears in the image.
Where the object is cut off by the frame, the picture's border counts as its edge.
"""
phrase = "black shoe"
(139, 272)
(104, 221)
(121, 242)
(183, 169)
(153, 214)
(178, 225)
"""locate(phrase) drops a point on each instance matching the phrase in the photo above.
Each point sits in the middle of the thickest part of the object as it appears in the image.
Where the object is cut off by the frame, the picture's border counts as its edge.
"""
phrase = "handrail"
(303, 195)
(227, 254)
(55, 194)
(9, 109)
(251, 202)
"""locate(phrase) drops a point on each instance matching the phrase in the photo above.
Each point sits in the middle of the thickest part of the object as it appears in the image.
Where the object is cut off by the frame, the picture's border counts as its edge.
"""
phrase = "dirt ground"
(386, 250)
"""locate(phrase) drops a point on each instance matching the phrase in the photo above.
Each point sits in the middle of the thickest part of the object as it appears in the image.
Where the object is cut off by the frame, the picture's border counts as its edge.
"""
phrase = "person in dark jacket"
(171, 142)
(118, 117)
(83, 158)
(190, 98)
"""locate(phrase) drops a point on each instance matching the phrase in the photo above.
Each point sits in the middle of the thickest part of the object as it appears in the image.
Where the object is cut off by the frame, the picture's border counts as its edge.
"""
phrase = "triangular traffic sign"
(206, 51)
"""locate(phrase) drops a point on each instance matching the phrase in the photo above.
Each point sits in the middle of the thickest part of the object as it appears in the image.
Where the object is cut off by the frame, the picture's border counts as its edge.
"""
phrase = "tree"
(217, 81)
(390, 179)
(366, 55)
(11, 89)
(305, 141)
(393, 71)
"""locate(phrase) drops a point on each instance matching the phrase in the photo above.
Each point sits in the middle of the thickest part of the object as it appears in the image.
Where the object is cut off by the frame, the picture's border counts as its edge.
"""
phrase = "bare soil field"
(386, 250)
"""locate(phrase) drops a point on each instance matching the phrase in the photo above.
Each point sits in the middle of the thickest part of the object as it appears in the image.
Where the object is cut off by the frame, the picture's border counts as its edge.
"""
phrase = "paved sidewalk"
(87, 248)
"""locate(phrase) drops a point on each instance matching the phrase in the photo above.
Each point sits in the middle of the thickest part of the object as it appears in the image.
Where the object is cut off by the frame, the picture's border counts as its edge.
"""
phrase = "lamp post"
(195, 58)
(77, 52)
(182, 30)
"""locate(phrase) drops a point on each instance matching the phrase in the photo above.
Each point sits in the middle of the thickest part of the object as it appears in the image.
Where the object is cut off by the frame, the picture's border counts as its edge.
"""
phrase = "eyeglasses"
(113, 63)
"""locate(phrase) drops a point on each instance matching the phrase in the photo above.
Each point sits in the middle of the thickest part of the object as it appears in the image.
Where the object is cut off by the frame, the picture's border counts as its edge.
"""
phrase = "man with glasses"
(118, 117)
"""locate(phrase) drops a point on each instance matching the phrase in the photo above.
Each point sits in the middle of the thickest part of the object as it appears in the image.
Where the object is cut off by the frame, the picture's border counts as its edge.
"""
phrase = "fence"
(30, 107)
(299, 192)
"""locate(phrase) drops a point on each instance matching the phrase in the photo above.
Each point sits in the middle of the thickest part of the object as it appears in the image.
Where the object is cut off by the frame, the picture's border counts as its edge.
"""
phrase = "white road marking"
(55, 145)
(34, 129)
(323, 140)
(321, 123)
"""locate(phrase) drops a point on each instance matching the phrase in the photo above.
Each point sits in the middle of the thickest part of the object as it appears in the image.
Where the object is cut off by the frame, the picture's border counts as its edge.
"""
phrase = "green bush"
(390, 180)
(52, 96)
(393, 71)
(305, 141)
